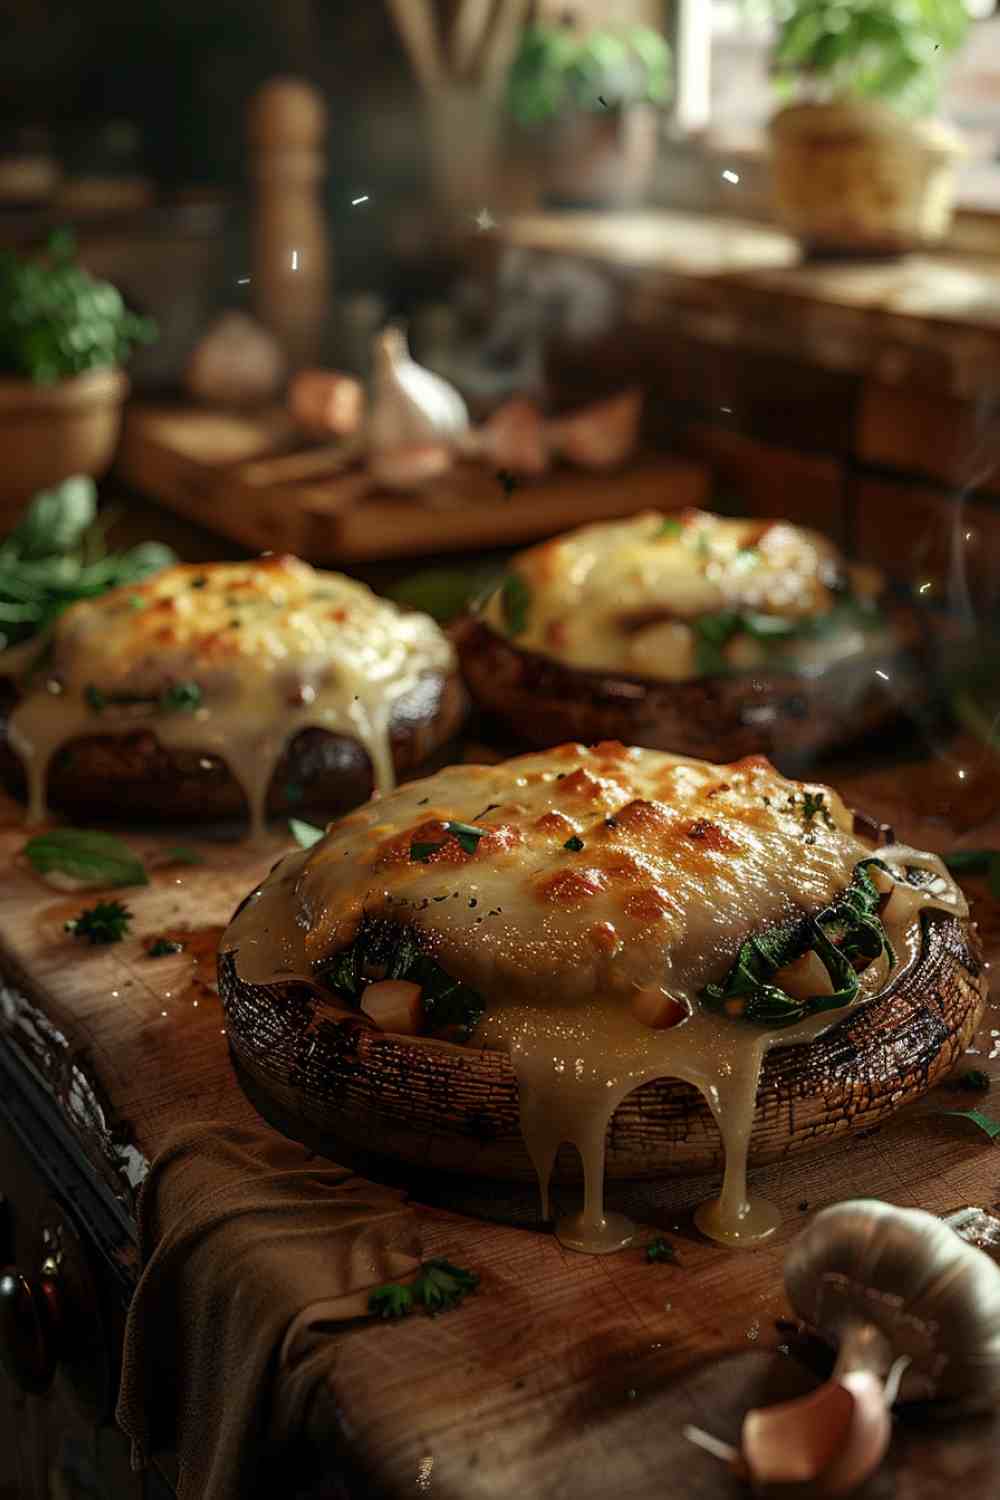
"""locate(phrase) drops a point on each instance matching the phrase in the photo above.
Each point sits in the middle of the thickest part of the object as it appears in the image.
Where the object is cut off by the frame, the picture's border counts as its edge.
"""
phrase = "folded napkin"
(250, 1248)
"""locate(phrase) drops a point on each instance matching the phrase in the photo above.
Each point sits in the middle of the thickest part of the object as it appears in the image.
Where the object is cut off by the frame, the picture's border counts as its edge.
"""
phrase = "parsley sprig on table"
(104, 922)
(437, 1287)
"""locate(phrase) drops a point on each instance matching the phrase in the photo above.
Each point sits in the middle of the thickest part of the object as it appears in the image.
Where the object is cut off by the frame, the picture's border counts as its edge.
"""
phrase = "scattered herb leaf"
(181, 697)
(104, 922)
(162, 947)
(305, 834)
(975, 1117)
(94, 698)
(438, 1286)
(94, 858)
(670, 527)
(467, 835)
(574, 844)
(661, 1250)
(445, 593)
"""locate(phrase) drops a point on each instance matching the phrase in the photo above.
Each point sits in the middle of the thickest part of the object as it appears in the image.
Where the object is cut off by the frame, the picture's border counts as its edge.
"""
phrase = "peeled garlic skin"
(933, 1297)
(830, 1440)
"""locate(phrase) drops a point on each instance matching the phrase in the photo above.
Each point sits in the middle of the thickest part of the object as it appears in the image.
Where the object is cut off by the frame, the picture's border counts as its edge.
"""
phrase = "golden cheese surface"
(559, 875)
(624, 594)
(230, 659)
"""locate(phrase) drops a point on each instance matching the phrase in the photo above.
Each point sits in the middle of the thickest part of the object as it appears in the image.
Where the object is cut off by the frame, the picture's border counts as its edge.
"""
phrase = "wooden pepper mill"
(291, 256)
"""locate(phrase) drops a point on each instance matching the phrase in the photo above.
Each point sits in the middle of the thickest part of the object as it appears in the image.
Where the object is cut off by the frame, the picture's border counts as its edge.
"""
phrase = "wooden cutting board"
(565, 1375)
(248, 477)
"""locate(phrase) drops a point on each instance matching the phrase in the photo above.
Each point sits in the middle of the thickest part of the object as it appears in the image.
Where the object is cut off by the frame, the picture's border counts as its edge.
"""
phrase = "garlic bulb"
(410, 406)
(237, 363)
(913, 1312)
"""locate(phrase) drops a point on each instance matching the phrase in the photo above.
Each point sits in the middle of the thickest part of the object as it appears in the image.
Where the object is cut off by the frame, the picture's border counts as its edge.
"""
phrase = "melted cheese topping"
(680, 861)
(620, 595)
(271, 647)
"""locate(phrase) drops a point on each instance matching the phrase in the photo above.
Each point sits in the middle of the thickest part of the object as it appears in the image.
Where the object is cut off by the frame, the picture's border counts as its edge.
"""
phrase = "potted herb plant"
(587, 102)
(63, 338)
(860, 163)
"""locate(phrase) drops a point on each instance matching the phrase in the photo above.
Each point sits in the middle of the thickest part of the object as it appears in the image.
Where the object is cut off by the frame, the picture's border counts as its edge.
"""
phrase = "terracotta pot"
(854, 177)
(601, 159)
(48, 432)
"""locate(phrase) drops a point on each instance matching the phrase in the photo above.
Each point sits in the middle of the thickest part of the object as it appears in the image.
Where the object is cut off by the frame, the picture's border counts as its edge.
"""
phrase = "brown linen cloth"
(249, 1247)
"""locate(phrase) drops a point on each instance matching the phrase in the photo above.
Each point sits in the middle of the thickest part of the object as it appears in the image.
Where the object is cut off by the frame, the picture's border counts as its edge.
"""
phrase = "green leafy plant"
(893, 50)
(56, 320)
(558, 70)
(56, 555)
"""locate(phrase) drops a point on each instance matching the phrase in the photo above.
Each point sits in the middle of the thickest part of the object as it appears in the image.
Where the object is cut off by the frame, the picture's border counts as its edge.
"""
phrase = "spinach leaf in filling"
(713, 632)
(388, 950)
(846, 935)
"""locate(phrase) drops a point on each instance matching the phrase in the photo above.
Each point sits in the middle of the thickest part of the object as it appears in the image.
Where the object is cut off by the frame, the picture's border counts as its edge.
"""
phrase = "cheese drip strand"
(231, 660)
(595, 879)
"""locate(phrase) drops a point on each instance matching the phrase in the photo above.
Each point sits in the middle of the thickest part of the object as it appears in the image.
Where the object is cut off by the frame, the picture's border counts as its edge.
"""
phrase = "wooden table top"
(566, 1375)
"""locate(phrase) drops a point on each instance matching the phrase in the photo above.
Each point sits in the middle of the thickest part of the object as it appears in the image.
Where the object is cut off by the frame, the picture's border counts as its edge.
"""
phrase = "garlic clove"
(599, 436)
(410, 467)
(514, 438)
(237, 363)
(832, 1439)
(409, 405)
(324, 402)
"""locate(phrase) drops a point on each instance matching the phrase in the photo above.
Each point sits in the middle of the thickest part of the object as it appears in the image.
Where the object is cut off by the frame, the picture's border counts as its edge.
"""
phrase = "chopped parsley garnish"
(574, 844)
(420, 853)
(670, 527)
(181, 697)
(661, 1250)
(437, 1287)
(105, 922)
(845, 932)
(162, 947)
(515, 603)
(467, 836)
(813, 807)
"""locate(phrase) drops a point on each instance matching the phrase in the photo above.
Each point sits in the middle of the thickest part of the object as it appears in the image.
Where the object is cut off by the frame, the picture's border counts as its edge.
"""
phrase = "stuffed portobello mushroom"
(666, 964)
(689, 632)
(208, 691)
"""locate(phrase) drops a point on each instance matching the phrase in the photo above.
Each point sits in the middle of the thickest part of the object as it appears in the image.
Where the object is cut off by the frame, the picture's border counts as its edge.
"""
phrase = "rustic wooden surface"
(566, 1374)
(249, 478)
(926, 320)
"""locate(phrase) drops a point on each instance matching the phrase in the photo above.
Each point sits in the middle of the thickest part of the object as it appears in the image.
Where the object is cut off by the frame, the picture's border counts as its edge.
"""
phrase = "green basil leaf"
(975, 1117)
(305, 834)
(56, 520)
(93, 858)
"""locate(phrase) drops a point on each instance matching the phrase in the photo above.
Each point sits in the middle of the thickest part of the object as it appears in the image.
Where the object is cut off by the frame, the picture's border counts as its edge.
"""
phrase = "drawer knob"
(30, 1323)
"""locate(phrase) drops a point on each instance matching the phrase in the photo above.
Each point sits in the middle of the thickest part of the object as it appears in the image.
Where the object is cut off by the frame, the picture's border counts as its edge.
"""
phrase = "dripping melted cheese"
(680, 860)
(620, 595)
(272, 647)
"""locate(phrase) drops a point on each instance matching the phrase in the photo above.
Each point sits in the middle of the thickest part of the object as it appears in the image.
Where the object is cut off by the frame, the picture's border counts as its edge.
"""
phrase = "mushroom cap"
(934, 1297)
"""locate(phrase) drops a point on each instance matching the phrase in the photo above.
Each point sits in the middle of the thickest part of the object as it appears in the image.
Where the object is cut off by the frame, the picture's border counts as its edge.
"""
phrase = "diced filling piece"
(385, 975)
(783, 976)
